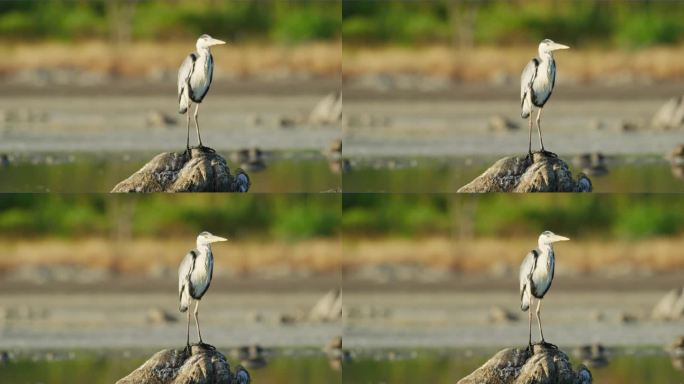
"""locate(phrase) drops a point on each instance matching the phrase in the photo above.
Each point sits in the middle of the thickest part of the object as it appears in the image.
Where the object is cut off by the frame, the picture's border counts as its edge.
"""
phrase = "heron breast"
(200, 79)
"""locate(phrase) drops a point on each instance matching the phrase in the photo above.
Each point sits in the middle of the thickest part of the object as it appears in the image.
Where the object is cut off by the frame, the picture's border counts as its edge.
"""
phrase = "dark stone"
(543, 173)
(175, 366)
(201, 170)
(547, 365)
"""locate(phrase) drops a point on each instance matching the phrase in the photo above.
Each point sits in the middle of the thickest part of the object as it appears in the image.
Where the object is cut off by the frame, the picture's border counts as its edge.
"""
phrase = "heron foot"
(547, 153)
(205, 149)
(187, 351)
(206, 346)
(546, 344)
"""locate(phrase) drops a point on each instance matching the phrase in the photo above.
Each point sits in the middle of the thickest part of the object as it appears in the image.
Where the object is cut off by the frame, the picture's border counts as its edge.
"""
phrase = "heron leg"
(187, 340)
(541, 142)
(199, 334)
(197, 125)
(529, 148)
(187, 142)
(541, 333)
(529, 311)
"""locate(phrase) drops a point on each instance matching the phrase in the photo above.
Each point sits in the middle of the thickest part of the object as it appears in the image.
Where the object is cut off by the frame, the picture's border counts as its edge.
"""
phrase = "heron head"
(206, 41)
(206, 238)
(548, 237)
(547, 46)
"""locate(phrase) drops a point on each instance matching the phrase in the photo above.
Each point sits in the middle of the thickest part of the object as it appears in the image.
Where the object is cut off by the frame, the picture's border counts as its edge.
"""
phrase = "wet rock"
(159, 119)
(500, 123)
(327, 111)
(201, 171)
(328, 307)
(500, 315)
(670, 307)
(517, 366)
(670, 115)
(594, 355)
(593, 164)
(159, 316)
(202, 366)
(544, 173)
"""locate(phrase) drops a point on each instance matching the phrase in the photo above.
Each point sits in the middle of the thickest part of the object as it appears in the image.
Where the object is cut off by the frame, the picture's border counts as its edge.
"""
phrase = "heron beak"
(557, 46)
(556, 238)
(216, 42)
(216, 239)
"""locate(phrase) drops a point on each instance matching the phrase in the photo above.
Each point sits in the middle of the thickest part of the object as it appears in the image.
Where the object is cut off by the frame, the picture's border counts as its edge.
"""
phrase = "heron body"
(194, 79)
(194, 276)
(537, 82)
(536, 276)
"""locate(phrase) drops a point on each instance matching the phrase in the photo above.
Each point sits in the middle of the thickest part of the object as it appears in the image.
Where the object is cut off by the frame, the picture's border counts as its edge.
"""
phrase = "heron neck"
(546, 56)
(546, 252)
(203, 51)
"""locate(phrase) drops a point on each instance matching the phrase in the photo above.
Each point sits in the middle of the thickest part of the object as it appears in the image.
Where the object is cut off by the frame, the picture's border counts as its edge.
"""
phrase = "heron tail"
(183, 102)
(525, 301)
(526, 108)
(184, 304)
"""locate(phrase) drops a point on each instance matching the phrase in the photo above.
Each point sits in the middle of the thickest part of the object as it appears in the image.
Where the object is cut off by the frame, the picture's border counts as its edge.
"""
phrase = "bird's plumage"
(194, 276)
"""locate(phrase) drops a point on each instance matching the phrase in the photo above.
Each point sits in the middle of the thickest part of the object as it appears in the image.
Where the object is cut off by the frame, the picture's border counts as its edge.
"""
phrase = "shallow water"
(626, 174)
(303, 171)
(308, 366)
(448, 366)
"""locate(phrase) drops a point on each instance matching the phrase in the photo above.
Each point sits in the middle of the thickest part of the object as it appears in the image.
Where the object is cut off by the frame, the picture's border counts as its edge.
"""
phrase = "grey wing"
(184, 271)
(527, 77)
(185, 71)
(526, 269)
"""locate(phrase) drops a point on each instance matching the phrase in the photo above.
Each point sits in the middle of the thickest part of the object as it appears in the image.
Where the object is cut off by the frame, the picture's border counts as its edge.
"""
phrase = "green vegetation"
(630, 24)
(280, 20)
(502, 215)
(289, 217)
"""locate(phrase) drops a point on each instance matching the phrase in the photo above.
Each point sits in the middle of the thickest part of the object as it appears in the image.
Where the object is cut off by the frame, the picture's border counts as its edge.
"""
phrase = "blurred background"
(89, 286)
(431, 283)
(90, 89)
(434, 86)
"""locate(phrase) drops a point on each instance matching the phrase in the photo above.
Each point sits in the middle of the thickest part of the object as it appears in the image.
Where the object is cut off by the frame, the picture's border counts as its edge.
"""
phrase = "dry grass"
(141, 58)
(143, 254)
(658, 255)
(660, 63)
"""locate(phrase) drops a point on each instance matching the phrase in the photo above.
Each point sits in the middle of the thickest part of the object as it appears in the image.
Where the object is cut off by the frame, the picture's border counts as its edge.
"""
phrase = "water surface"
(643, 365)
(626, 174)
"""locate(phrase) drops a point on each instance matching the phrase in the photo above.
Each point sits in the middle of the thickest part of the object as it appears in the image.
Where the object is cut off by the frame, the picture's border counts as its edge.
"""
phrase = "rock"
(203, 171)
(670, 115)
(500, 123)
(670, 306)
(203, 366)
(593, 164)
(328, 307)
(159, 316)
(328, 110)
(593, 355)
(160, 119)
(544, 173)
(501, 315)
(517, 366)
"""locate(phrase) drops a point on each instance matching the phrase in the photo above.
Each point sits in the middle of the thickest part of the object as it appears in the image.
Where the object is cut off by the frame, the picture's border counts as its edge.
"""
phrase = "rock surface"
(173, 366)
(202, 171)
(517, 366)
(544, 173)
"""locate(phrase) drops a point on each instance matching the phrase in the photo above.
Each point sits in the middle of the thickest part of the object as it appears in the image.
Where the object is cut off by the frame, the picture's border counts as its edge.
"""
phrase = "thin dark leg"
(541, 142)
(199, 334)
(199, 138)
(541, 332)
(529, 310)
(529, 148)
(187, 142)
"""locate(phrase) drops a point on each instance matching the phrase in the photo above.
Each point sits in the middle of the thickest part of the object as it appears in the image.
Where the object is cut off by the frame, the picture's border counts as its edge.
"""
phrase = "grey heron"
(536, 85)
(536, 276)
(194, 277)
(194, 80)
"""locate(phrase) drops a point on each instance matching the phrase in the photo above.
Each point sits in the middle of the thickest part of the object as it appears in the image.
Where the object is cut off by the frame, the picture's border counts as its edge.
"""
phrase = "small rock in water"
(159, 316)
(501, 315)
(500, 123)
